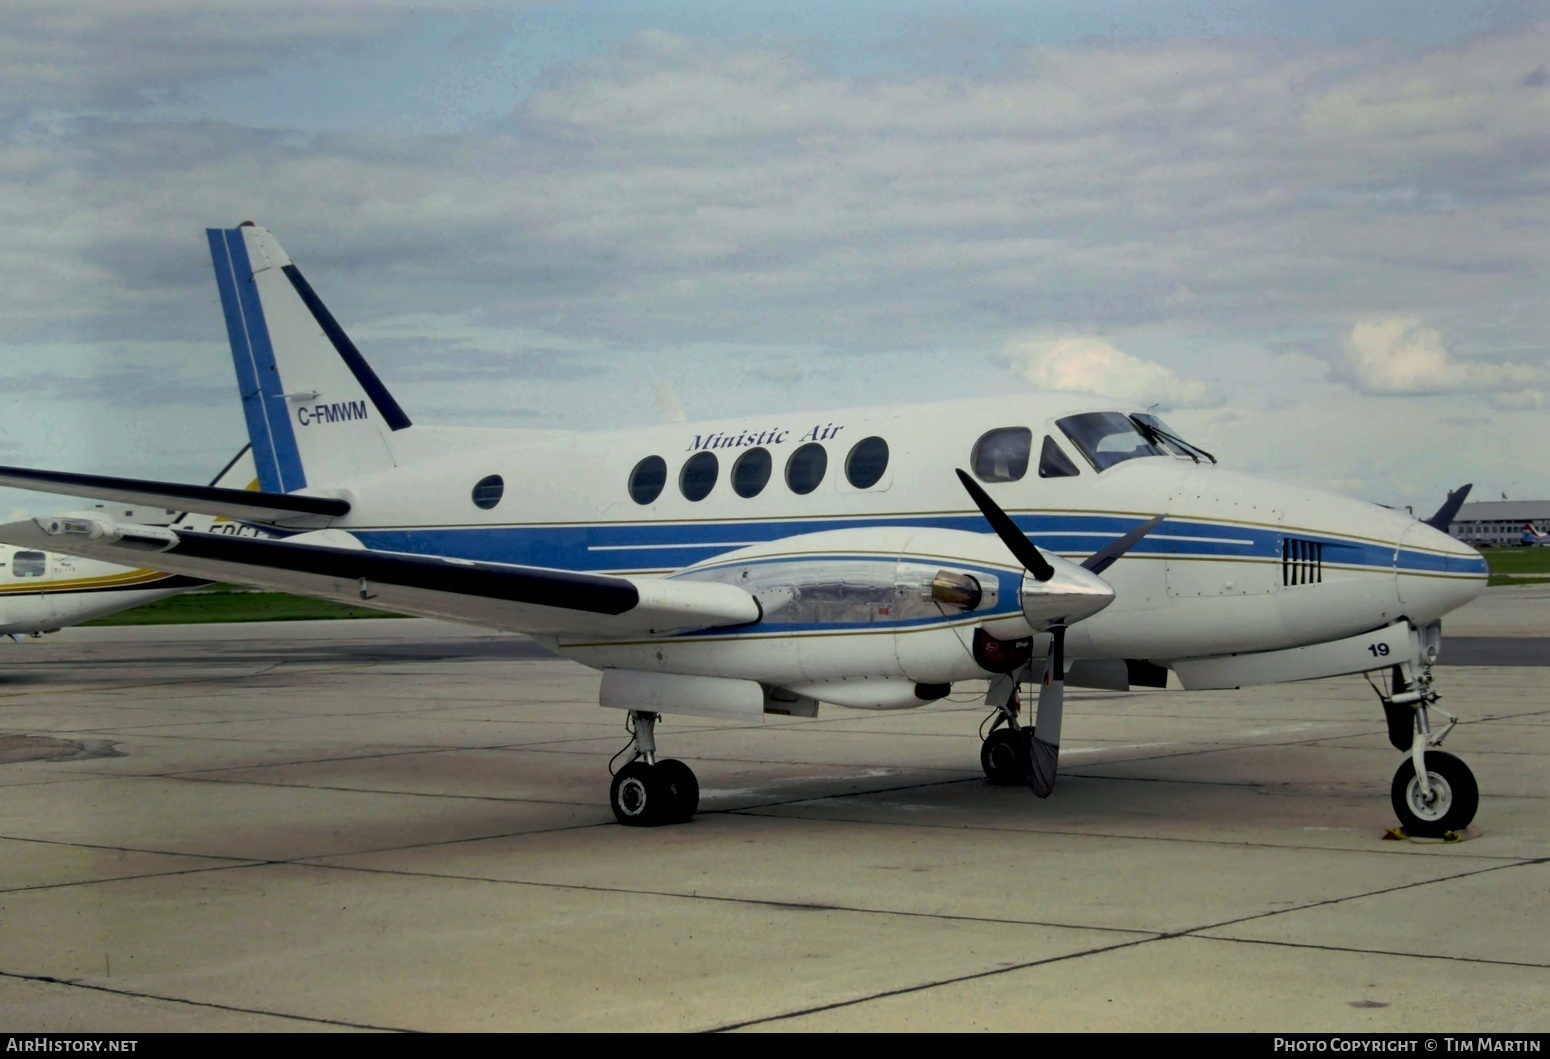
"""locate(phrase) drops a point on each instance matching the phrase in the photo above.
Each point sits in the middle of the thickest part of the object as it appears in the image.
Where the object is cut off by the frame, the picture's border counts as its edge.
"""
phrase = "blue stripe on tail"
(258, 377)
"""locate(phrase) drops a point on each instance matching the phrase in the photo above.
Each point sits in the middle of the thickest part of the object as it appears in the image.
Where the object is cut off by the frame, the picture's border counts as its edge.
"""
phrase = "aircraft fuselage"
(1241, 564)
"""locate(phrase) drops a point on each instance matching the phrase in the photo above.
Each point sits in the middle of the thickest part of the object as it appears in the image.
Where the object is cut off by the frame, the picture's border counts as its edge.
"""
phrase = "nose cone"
(1435, 573)
(1068, 597)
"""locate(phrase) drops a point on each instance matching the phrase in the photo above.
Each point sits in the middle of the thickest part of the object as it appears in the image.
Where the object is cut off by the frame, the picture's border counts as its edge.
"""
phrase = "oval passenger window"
(1002, 455)
(698, 477)
(866, 463)
(647, 479)
(751, 472)
(488, 491)
(806, 467)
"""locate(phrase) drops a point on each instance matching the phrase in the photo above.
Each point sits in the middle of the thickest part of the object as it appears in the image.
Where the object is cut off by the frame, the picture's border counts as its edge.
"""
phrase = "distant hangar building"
(1499, 522)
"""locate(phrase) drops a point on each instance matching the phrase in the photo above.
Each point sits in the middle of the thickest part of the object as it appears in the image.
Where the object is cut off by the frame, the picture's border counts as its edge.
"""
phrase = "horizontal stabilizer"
(331, 564)
(289, 508)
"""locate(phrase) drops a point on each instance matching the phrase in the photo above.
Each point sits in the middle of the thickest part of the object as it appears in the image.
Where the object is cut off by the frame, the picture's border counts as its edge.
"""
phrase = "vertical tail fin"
(1444, 516)
(315, 410)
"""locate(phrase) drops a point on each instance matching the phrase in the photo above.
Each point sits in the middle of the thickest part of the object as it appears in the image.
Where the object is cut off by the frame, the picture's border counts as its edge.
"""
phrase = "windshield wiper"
(1156, 435)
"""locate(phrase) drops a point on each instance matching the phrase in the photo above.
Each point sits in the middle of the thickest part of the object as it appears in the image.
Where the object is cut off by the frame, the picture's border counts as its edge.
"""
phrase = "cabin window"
(866, 463)
(751, 472)
(647, 479)
(488, 491)
(1002, 455)
(1053, 461)
(30, 564)
(806, 467)
(698, 477)
(1107, 438)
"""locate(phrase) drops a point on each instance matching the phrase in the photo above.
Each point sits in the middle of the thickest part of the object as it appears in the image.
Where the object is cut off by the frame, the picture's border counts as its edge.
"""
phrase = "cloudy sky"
(1317, 232)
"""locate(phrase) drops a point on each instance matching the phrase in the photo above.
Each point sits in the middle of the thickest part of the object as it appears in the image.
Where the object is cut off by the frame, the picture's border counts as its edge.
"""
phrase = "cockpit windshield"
(1107, 438)
(1158, 431)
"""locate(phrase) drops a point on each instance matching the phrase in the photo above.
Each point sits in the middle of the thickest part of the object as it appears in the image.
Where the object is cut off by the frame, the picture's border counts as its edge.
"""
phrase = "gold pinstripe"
(128, 579)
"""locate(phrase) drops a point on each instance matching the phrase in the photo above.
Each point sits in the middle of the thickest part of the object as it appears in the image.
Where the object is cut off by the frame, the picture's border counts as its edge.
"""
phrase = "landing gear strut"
(1433, 792)
(647, 791)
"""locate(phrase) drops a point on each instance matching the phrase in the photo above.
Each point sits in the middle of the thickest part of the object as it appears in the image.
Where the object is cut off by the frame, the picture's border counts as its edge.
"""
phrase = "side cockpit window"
(30, 564)
(1053, 461)
(1107, 438)
(1002, 455)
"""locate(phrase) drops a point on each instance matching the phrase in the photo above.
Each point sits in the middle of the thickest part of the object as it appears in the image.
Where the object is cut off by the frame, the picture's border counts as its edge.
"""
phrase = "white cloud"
(686, 191)
(130, 54)
(1092, 365)
(780, 229)
(1521, 400)
(1398, 355)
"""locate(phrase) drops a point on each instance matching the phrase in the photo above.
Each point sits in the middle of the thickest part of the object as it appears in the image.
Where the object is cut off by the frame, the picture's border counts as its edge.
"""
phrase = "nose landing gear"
(647, 792)
(1434, 793)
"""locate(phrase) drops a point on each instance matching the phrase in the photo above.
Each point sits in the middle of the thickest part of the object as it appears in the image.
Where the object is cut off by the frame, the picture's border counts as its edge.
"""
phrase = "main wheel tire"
(1455, 797)
(1004, 757)
(683, 788)
(639, 798)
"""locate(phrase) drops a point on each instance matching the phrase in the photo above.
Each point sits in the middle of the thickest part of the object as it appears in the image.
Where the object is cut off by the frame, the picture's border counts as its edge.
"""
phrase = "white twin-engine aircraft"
(768, 565)
(43, 591)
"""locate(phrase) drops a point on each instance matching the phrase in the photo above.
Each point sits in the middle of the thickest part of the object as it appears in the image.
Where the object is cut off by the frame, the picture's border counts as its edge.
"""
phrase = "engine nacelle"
(894, 604)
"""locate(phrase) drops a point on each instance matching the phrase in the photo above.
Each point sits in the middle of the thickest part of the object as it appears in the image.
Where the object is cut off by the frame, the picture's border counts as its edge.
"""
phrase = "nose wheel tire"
(1004, 757)
(1453, 799)
(645, 795)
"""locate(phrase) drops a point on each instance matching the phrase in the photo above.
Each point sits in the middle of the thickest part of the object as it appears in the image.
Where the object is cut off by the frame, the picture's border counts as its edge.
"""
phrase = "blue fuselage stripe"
(622, 546)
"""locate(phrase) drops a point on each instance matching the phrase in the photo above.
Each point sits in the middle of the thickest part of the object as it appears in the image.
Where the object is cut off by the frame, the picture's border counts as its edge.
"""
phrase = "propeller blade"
(1105, 557)
(1014, 539)
(1044, 736)
(1449, 509)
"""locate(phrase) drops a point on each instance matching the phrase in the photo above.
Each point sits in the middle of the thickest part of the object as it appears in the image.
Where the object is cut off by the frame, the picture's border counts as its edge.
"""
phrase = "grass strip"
(235, 605)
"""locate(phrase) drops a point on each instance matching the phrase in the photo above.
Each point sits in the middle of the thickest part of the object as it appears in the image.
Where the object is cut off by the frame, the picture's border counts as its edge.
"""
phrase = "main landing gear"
(1004, 751)
(647, 791)
(1434, 793)
(1016, 753)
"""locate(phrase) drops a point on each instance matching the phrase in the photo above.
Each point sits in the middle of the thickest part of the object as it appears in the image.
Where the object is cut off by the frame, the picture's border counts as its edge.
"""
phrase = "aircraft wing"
(333, 565)
(245, 504)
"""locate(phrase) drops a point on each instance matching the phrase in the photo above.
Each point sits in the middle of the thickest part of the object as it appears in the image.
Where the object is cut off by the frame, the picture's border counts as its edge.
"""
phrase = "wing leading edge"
(334, 565)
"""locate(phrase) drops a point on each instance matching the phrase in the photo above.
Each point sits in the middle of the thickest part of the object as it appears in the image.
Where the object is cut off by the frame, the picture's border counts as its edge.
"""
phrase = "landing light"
(75, 527)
